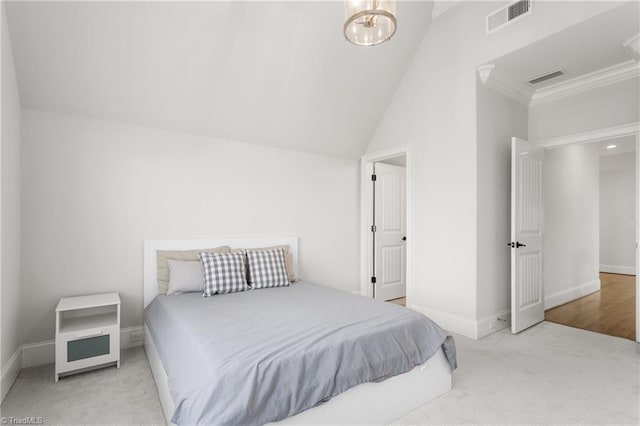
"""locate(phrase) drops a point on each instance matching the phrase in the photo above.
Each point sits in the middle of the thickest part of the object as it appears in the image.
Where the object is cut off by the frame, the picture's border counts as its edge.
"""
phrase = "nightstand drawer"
(86, 348)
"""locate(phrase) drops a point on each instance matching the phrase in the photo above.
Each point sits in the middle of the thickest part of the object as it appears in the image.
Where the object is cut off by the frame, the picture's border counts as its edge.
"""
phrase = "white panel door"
(389, 236)
(527, 219)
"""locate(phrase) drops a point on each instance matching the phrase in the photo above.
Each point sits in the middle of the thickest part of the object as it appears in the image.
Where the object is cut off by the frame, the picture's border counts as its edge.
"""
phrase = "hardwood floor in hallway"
(612, 310)
(400, 301)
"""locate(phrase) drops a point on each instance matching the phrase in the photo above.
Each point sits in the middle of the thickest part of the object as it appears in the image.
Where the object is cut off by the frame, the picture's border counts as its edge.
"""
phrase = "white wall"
(499, 119)
(10, 212)
(606, 106)
(617, 213)
(571, 208)
(434, 112)
(93, 191)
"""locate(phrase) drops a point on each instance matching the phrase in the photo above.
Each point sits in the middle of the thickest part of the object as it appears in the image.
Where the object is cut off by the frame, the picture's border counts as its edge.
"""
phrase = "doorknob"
(404, 238)
(517, 244)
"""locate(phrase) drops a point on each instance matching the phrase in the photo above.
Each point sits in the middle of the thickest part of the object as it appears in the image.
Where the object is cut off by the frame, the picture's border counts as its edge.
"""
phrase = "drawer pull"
(88, 334)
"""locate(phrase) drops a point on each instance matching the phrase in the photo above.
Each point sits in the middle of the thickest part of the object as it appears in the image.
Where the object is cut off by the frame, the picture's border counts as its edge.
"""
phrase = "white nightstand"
(87, 332)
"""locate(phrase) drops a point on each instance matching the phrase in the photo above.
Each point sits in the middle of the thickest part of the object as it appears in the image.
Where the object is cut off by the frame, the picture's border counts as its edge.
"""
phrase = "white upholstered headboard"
(151, 246)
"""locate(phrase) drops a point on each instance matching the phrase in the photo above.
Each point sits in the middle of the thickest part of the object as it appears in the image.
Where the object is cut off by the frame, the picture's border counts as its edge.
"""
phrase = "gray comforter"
(263, 355)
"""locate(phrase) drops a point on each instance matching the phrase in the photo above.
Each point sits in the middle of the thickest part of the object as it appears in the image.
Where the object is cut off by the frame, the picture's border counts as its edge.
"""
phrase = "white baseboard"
(566, 296)
(473, 329)
(451, 323)
(492, 323)
(616, 269)
(10, 371)
(39, 353)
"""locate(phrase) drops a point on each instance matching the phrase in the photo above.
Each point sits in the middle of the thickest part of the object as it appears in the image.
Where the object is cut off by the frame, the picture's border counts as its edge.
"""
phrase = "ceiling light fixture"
(369, 22)
(611, 146)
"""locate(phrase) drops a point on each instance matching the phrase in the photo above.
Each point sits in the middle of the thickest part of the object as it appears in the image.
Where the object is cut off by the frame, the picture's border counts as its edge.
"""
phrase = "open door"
(390, 256)
(527, 224)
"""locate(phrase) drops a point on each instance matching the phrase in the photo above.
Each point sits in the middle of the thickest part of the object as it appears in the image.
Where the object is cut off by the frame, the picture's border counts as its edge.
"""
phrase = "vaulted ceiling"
(274, 73)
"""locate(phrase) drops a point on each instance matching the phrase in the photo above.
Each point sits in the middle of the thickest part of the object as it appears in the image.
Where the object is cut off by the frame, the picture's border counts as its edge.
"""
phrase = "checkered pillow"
(223, 272)
(266, 268)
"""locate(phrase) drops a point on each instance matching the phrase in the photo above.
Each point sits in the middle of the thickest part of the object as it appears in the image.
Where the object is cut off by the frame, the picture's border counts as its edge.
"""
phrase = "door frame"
(630, 129)
(366, 213)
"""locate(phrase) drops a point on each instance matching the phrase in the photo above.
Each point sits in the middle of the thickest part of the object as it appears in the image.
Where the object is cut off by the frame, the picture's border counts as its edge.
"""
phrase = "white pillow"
(184, 276)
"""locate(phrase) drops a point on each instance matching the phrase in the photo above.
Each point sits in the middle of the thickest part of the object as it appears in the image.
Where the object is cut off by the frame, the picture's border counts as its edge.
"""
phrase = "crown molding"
(633, 46)
(527, 95)
(592, 135)
(442, 6)
(583, 83)
(505, 84)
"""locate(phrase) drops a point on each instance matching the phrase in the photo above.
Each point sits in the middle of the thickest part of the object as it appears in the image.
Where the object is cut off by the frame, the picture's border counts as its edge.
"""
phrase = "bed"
(303, 354)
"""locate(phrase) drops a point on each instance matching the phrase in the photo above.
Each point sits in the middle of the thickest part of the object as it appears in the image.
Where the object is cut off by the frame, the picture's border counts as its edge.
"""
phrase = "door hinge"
(373, 280)
(374, 177)
(373, 228)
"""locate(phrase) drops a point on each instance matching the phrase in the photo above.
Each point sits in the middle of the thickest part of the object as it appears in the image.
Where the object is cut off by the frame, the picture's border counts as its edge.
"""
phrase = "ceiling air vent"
(508, 14)
(546, 77)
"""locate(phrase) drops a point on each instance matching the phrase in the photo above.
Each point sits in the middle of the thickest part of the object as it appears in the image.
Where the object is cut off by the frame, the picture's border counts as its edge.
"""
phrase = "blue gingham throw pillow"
(266, 268)
(223, 272)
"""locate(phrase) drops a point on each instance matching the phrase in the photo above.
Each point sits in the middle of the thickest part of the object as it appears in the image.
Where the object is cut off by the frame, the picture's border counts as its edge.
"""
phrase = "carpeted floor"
(549, 374)
(109, 396)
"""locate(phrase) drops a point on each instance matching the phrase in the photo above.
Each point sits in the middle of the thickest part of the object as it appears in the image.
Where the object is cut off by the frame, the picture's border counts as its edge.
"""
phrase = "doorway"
(604, 245)
(385, 208)
(570, 251)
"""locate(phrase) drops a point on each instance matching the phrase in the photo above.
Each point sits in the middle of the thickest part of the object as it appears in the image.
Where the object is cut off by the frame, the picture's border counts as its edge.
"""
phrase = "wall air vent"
(546, 77)
(507, 14)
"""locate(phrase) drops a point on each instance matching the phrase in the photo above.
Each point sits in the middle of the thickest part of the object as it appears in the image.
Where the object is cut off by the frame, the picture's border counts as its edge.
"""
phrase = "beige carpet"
(550, 374)
(109, 396)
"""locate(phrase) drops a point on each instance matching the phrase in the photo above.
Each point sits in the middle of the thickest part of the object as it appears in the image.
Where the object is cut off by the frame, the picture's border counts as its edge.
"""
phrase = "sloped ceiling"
(273, 73)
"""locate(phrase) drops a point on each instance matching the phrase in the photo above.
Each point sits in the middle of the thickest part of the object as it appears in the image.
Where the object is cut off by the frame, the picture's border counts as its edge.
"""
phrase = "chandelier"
(369, 22)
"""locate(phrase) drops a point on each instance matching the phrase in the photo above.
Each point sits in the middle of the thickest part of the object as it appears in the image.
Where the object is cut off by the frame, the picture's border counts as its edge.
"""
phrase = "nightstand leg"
(57, 377)
(118, 364)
